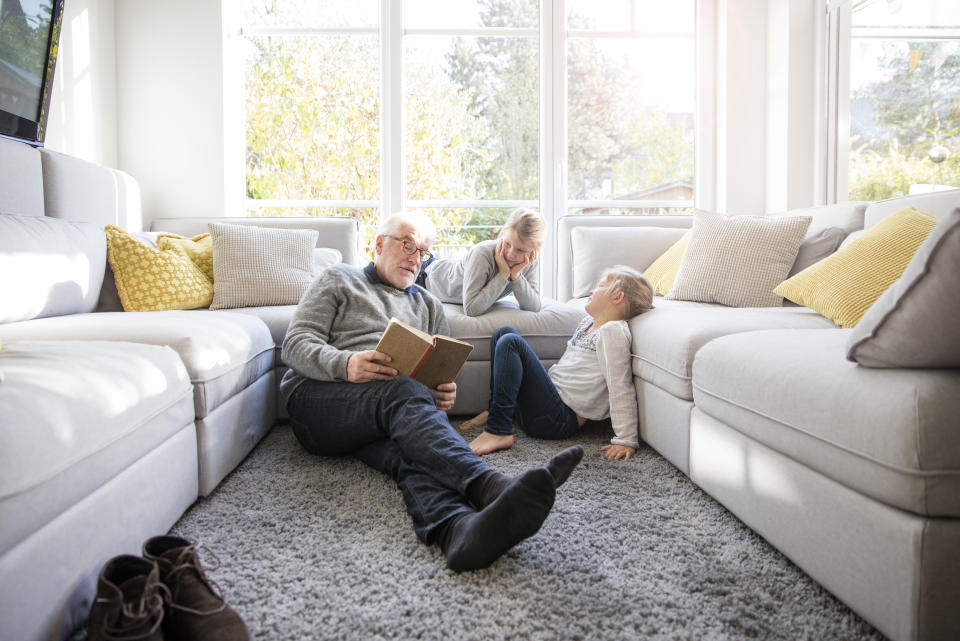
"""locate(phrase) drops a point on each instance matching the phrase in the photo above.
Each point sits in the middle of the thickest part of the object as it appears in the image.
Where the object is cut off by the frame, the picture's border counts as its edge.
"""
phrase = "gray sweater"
(344, 311)
(475, 282)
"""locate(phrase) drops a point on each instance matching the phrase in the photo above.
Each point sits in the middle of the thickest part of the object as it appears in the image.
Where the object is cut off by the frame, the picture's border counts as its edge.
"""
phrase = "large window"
(471, 75)
(467, 109)
(897, 88)
(630, 106)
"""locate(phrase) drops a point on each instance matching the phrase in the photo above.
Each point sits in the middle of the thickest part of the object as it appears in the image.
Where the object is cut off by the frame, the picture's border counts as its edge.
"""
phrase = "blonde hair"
(637, 290)
(391, 225)
(528, 225)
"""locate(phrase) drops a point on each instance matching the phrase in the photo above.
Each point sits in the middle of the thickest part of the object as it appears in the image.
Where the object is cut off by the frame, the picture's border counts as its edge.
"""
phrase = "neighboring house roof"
(657, 189)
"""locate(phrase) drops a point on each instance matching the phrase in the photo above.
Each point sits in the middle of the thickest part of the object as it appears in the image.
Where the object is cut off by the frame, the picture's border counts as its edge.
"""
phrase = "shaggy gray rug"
(322, 548)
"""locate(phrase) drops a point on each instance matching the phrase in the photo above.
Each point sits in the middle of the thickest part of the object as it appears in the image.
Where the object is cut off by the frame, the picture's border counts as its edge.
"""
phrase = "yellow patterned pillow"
(199, 249)
(663, 271)
(844, 285)
(151, 280)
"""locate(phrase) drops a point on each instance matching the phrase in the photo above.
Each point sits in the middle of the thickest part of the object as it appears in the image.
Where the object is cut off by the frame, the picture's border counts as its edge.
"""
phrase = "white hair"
(391, 225)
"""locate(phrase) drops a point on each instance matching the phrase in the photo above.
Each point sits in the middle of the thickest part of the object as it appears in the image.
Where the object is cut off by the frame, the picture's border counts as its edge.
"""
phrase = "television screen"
(29, 35)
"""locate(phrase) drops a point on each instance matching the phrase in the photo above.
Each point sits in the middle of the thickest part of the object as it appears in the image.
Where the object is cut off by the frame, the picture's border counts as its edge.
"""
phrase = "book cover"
(432, 360)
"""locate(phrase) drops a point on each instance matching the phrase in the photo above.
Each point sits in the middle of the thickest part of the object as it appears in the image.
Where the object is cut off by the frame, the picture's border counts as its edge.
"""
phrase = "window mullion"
(391, 113)
(553, 146)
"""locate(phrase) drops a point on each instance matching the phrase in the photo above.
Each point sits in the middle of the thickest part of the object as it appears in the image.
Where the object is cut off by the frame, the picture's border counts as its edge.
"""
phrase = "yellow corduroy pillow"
(150, 279)
(663, 271)
(199, 249)
(844, 285)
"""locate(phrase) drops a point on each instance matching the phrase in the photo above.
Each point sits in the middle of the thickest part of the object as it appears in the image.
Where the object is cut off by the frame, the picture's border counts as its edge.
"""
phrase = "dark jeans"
(521, 390)
(395, 427)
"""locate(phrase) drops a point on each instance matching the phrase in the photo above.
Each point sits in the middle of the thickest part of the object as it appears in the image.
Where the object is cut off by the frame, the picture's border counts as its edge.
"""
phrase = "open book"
(429, 359)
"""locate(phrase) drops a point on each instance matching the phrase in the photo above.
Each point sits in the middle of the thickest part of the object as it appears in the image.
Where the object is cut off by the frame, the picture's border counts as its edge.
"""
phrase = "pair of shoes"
(165, 594)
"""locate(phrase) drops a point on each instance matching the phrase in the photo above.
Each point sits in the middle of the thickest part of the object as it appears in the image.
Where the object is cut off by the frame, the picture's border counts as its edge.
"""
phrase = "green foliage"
(914, 110)
(638, 146)
(472, 122)
(23, 39)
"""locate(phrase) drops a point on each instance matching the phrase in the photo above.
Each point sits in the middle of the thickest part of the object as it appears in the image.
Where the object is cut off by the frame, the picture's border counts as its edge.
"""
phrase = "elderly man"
(342, 399)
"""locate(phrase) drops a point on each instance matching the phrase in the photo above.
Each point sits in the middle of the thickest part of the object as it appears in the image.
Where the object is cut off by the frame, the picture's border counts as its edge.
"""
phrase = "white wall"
(170, 104)
(741, 105)
(83, 103)
(768, 105)
(794, 103)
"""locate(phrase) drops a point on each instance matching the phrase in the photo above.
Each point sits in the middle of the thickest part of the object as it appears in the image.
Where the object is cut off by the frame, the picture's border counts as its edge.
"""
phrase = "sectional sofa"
(113, 423)
(852, 472)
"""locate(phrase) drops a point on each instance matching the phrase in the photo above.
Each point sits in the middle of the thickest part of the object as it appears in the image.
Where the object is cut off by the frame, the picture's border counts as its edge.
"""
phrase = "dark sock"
(484, 490)
(563, 463)
(474, 541)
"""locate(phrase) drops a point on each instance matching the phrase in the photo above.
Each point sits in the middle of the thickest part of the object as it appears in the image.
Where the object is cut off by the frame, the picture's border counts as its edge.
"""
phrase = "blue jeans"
(521, 390)
(396, 428)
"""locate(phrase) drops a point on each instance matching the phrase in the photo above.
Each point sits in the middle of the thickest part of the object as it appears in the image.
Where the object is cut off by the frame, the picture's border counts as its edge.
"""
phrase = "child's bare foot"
(477, 421)
(487, 442)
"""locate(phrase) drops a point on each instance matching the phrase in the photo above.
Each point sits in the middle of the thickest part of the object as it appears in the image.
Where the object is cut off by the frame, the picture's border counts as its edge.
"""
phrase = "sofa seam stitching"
(917, 473)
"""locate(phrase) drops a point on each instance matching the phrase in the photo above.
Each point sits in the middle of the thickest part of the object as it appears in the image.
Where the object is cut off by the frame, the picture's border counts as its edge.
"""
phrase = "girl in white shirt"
(492, 269)
(593, 380)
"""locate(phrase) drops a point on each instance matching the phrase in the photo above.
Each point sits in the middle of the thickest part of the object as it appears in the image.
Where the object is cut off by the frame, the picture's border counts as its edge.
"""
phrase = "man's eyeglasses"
(409, 247)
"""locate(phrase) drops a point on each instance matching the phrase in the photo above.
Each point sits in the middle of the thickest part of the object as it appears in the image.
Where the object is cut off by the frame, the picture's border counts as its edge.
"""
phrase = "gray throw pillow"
(738, 260)
(259, 266)
(914, 323)
(817, 246)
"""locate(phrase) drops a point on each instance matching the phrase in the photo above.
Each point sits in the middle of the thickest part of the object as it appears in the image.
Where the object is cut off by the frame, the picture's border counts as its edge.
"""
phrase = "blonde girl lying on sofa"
(593, 379)
(492, 269)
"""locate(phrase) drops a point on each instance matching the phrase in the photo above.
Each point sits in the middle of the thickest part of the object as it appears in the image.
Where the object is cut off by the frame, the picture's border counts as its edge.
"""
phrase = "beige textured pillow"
(256, 266)
(738, 260)
(914, 323)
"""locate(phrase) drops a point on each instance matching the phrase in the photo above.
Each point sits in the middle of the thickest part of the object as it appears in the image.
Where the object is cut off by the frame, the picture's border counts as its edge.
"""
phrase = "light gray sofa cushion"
(76, 414)
(937, 204)
(22, 172)
(76, 189)
(547, 331)
(566, 225)
(666, 340)
(597, 248)
(223, 352)
(340, 233)
(914, 323)
(887, 433)
(276, 318)
(816, 246)
(49, 267)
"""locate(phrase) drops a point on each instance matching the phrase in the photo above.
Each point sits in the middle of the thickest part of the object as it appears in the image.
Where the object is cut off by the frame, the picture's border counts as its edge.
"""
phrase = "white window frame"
(552, 202)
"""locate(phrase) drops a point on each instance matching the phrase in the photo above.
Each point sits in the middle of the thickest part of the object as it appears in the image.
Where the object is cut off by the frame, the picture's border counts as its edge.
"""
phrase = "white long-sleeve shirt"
(475, 282)
(594, 378)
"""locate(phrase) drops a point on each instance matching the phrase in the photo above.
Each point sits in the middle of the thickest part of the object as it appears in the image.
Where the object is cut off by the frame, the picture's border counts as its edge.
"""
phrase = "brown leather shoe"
(195, 610)
(129, 602)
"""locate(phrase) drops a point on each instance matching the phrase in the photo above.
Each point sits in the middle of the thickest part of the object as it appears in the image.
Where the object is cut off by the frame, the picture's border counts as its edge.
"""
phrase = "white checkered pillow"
(256, 266)
(738, 260)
